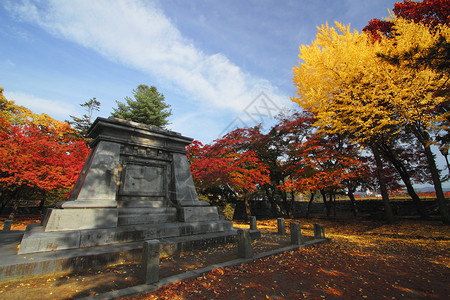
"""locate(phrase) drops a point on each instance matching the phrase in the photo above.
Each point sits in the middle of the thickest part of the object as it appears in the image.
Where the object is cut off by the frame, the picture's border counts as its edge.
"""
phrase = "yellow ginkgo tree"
(343, 78)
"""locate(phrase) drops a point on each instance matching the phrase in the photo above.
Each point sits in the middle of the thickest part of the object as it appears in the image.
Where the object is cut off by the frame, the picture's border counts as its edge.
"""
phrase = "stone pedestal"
(135, 177)
(281, 226)
(319, 231)
(150, 261)
(296, 234)
(244, 244)
(252, 223)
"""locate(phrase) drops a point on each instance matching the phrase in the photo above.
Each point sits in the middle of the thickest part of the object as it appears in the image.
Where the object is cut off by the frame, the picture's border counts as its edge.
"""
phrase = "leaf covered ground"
(365, 259)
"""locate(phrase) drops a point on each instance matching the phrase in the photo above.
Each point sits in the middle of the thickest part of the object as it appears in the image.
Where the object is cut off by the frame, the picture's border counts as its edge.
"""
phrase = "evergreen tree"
(81, 125)
(147, 107)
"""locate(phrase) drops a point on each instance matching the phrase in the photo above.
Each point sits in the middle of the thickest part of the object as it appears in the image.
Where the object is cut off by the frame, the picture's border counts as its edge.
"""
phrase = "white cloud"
(139, 35)
(38, 105)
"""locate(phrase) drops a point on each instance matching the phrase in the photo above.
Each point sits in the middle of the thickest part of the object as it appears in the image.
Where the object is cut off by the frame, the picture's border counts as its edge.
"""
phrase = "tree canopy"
(148, 107)
(38, 154)
(353, 91)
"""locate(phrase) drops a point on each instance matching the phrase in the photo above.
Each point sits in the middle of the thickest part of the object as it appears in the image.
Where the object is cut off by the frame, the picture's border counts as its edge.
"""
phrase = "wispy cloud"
(40, 105)
(139, 35)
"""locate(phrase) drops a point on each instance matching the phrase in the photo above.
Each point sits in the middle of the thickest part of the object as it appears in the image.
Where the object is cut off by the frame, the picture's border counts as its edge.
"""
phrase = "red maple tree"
(38, 154)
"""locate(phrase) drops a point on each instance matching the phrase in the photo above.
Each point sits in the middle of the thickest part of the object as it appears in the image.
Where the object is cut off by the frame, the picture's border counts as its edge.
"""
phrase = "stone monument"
(135, 185)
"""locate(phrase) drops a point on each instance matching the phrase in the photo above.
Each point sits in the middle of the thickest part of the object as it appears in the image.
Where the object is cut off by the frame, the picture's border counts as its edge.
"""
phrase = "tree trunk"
(247, 208)
(327, 204)
(273, 204)
(42, 202)
(425, 140)
(285, 203)
(351, 196)
(440, 198)
(311, 199)
(382, 182)
(292, 202)
(387, 151)
(334, 204)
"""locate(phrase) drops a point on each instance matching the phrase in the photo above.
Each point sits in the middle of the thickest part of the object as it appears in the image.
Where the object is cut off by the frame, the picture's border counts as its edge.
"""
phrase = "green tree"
(147, 107)
(81, 125)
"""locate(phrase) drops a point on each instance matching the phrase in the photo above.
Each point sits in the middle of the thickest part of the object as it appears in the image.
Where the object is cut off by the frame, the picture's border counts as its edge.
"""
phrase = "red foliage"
(223, 164)
(428, 12)
(36, 155)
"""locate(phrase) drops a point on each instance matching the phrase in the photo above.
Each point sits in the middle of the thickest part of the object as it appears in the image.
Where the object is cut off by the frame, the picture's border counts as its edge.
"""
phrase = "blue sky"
(215, 61)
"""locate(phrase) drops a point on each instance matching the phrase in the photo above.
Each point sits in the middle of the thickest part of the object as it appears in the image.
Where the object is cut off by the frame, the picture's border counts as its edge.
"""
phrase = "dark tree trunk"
(311, 199)
(292, 202)
(383, 189)
(285, 203)
(273, 204)
(387, 151)
(425, 140)
(351, 196)
(42, 202)
(440, 198)
(327, 204)
(247, 208)
(334, 204)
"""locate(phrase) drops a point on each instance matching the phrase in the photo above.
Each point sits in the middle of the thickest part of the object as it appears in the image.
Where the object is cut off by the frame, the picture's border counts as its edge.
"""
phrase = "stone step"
(146, 210)
(35, 240)
(141, 203)
(153, 218)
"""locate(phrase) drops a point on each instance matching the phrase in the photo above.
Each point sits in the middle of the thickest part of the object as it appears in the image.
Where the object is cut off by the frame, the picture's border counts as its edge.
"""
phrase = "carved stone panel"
(144, 180)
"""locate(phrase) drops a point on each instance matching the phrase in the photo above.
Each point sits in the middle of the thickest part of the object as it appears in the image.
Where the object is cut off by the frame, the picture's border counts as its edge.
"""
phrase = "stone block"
(244, 244)
(100, 175)
(281, 226)
(79, 219)
(296, 234)
(7, 225)
(253, 223)
(198, 213)
(150, 261)
(37, 241)
(319, 231)
(185, 193)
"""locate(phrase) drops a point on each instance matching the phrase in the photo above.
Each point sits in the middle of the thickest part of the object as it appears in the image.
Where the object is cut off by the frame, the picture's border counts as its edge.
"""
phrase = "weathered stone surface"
(150, 261)
(7, 225)
(296, 234)
(319, 231)
(38, 241)
(252, 223)
(135, 185)
(281, 226)
(79, 219)
(184, 185)
(195, 213)
(244, 244)
(99, 178)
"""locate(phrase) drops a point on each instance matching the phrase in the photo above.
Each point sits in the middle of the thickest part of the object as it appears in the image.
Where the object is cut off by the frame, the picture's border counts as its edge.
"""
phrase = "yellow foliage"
(18, 115)
(353, 91)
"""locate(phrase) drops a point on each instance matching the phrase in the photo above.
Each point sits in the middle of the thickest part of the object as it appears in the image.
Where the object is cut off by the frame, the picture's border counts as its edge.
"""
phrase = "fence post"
(244, 244)
(296, 234)
(319, 231)
(252, 223)
(7, 225)
(150, 261)
(281, 226)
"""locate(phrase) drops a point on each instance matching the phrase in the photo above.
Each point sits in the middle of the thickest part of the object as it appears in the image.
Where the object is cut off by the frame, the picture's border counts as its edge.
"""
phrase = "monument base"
(196, 214)
(79, 219)
(36, 239)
